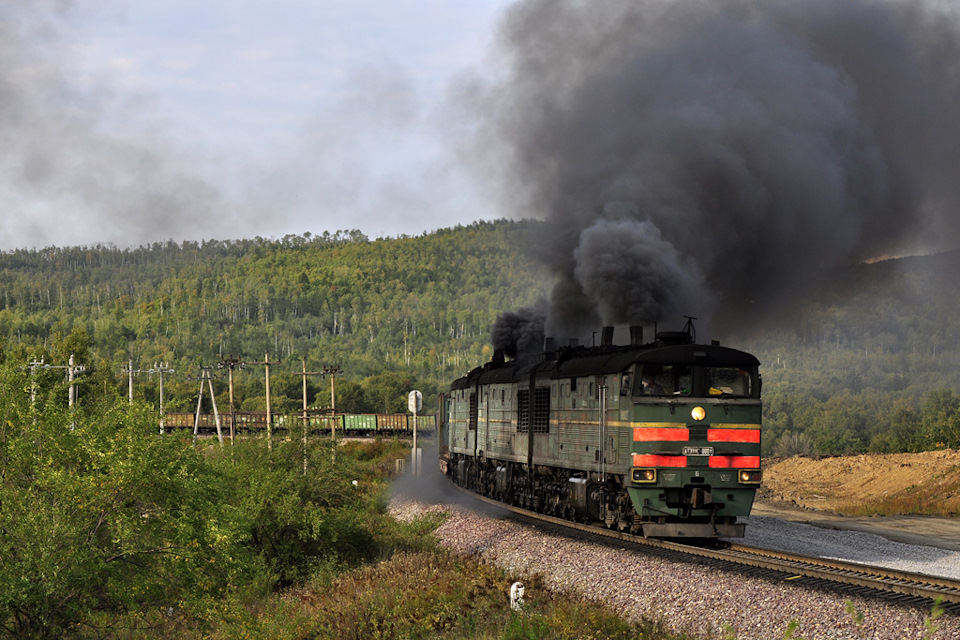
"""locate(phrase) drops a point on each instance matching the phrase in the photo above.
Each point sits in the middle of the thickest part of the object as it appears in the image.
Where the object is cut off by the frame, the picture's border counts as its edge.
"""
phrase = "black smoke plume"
(519, 332)
(711, 157)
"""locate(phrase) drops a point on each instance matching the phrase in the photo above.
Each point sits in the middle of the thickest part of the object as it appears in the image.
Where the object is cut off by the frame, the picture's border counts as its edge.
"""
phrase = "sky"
(129, 123)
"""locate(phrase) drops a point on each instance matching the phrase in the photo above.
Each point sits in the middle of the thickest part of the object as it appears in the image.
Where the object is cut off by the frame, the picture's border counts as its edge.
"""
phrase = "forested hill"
(869, 360)
(391, 313)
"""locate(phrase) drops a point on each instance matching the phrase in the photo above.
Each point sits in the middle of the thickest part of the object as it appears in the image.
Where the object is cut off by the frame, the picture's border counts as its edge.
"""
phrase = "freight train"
(345, 425)
(659, 439)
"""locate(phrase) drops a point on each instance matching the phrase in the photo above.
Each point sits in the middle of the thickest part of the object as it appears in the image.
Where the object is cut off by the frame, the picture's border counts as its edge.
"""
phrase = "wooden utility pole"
(306, 412)
(266, 364)
(333, 372)
(130, 371)
(72, 370)
(230, 364)
(161, 369)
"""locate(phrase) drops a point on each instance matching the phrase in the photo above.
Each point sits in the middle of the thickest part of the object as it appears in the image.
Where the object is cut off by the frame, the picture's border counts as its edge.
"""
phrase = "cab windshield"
(664, 380)
(729, 381)
(696, 381)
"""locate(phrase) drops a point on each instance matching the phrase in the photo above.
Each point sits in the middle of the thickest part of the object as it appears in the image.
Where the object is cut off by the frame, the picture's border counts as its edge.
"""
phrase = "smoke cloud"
(80, 161)
(517, 332)
(709, 157)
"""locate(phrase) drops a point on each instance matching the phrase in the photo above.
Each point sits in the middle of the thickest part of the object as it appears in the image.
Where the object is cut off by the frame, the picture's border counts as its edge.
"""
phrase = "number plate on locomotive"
(698, 451)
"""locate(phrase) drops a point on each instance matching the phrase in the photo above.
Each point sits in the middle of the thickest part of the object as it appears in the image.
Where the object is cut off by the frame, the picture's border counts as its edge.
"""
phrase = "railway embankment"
(684, 597)
(925, 483)
(688, 597)
(912, 498)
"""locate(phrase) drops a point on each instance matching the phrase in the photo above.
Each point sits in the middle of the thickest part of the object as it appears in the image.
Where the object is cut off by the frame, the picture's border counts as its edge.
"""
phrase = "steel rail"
(881, 579)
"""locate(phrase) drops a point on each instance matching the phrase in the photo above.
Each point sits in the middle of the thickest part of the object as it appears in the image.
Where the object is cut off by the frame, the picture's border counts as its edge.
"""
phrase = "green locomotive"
(660, 439)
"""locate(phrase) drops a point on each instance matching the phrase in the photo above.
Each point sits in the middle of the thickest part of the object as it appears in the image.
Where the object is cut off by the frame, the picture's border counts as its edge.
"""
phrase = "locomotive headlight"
(644, 475)
(698, 413)
(749, 476)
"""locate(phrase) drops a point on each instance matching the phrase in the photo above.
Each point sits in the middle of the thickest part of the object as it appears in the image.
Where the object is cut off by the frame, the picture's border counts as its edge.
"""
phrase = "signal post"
(415, 405)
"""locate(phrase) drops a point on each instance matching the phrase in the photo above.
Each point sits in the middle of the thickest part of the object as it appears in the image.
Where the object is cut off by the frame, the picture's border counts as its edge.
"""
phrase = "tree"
(940, 420)
(387, 392)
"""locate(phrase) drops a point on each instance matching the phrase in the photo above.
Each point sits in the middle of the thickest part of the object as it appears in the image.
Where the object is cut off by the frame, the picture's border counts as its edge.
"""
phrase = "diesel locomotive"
(659, 439)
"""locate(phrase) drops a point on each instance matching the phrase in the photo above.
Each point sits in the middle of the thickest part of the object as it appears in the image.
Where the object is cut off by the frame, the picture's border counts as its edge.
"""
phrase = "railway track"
(910, 588)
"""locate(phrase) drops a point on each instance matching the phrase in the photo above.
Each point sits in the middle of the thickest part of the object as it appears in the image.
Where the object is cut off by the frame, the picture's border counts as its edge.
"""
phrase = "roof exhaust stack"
(549, 348)
(636, 336)
(606, 337)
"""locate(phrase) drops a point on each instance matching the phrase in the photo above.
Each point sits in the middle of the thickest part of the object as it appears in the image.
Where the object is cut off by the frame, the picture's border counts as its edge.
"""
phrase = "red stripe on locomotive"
(751, 436)
(661, 434)
(734, 462)
(652, 460)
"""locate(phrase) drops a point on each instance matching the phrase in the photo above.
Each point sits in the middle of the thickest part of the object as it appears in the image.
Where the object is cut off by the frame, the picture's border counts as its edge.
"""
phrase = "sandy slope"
(838, 483)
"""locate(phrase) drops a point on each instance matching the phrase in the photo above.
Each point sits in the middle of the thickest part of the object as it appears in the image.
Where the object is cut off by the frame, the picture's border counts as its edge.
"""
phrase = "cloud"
(80, 163)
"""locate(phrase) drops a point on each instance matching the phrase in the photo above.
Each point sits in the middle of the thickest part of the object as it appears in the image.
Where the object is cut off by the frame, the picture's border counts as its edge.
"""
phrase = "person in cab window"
(650, 386)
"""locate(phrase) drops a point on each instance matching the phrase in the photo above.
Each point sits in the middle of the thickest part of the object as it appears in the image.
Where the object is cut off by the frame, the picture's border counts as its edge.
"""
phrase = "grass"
(404, 586)
(433, 595)
(418, 591)
(407, 587)
(420, 595)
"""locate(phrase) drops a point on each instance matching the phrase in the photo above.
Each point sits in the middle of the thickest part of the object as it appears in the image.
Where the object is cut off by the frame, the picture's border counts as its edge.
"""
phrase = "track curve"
(924, 589)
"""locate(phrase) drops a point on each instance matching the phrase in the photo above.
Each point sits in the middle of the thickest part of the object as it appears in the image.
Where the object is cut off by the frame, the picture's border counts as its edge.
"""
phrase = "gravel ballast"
(852, 546)
(696, 599)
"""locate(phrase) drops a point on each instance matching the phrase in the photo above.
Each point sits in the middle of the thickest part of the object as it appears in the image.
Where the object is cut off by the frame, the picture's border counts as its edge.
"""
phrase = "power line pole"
(72, 370)
(34, 365)
(157, 368)
(230, 364)
(130, 371)
(206, 377)
(266, 365)
(306, 413)
(333, 372)
(161, 369)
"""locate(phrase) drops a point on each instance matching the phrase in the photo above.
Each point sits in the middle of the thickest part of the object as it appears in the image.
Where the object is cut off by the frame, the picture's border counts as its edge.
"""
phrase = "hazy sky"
(133, 122)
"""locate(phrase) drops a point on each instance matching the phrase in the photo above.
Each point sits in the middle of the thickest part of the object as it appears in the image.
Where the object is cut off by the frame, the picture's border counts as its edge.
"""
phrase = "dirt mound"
(872, 484)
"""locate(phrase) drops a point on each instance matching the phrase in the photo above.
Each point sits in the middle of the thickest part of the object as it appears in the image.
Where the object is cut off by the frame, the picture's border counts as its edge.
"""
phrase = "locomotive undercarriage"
(563, 493)
(584, 497)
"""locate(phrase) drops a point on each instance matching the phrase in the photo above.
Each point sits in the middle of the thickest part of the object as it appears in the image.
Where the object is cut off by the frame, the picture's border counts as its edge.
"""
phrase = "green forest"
(865, 361)
(391, 314)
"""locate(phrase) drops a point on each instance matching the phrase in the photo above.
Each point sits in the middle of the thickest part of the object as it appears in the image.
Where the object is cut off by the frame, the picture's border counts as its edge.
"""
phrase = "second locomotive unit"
(660, 439)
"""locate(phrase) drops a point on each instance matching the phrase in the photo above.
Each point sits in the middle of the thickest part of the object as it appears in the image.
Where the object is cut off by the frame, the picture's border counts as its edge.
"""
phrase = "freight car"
(346, 425)
(660, 439)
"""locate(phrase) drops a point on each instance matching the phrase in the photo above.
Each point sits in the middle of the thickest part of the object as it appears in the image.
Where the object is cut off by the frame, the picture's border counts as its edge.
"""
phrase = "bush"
(103, 519)
(792, 444)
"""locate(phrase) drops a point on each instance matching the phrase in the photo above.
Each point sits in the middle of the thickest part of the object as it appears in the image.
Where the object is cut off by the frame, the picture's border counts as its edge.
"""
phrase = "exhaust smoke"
(709, 158)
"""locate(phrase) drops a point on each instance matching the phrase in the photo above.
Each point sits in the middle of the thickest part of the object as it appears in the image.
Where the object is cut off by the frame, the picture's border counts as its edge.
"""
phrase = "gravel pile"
(691, 598)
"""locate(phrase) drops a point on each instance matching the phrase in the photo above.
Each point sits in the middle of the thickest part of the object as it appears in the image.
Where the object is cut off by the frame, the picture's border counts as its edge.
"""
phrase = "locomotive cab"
(696, 440)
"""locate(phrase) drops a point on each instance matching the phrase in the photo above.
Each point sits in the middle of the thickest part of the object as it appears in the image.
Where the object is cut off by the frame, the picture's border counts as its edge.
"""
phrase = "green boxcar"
(359, 424)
